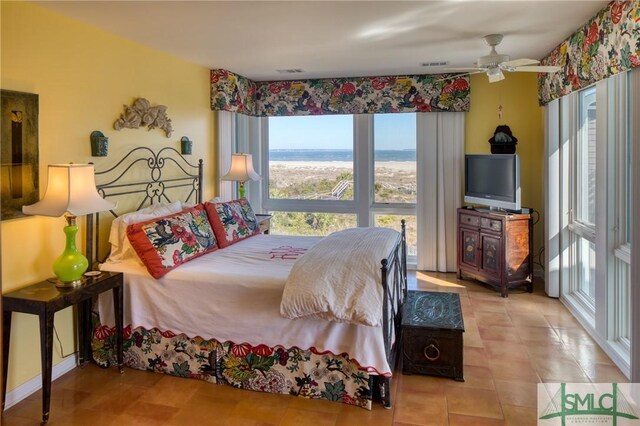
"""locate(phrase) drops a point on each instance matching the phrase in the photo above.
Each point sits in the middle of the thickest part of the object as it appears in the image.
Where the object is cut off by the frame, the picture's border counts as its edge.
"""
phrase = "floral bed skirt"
(293, 371)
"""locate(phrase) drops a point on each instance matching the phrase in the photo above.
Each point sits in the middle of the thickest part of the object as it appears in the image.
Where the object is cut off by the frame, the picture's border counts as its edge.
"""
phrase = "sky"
(392, 131)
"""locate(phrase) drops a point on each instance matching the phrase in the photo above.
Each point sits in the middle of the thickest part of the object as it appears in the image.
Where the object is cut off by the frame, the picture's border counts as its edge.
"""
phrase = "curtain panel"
(357, 95)
(440, 155)
(609, 43)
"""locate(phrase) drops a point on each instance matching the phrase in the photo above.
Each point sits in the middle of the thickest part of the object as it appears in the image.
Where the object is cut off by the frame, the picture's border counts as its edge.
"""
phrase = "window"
(394, 156)
(583, 202)
(311, 158)
(586, 159)
(326, 173)
(304, 223)
(596, 194)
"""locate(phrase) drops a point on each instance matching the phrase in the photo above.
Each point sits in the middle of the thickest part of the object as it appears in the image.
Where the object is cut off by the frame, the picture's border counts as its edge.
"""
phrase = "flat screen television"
(493, 180)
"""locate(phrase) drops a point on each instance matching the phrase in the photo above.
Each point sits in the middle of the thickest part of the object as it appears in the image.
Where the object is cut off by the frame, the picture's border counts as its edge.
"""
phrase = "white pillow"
(120, 247)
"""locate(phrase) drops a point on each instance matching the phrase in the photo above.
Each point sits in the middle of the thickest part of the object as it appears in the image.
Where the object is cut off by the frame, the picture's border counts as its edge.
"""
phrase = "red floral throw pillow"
(232, 221)
(167, 242)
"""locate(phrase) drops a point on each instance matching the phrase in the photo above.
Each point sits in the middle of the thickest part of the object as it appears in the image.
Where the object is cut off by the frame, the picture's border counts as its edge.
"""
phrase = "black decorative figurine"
(503, 141)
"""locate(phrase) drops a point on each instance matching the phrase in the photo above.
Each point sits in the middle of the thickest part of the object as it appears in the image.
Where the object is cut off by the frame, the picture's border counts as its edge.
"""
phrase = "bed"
(218, 317)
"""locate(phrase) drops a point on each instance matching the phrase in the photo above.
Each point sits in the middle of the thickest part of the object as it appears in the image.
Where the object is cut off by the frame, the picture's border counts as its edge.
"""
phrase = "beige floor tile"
(603, 373)
(502, 334)
(482, 304)
(588, 353)
(506, 351)
(504, 369)
(493, 318)
(529, 319)
(296, 417)
(519, 416)
(475, 356)
(420, 408)
(562, 321)
(560, 369)
(542, 335)
(517, 393)
(474, 377)
(472, 402)
(460, 420)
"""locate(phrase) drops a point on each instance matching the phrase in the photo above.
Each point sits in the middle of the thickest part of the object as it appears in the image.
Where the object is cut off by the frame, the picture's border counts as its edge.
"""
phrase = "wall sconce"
(185, 146)
(99, 144)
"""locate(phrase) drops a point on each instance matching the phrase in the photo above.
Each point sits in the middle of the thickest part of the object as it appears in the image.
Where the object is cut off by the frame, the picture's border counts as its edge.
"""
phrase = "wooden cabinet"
(495, 248)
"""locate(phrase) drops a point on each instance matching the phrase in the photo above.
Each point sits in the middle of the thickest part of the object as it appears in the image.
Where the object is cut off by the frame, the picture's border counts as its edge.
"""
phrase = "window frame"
(363, 204)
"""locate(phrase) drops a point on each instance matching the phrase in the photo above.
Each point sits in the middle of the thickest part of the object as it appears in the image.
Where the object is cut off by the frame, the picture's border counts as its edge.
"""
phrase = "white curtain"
(552, 201)
(226, 146)
(440, 155)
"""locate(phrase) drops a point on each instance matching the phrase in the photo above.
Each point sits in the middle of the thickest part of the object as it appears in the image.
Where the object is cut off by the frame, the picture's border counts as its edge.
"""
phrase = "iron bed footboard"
(394, 286)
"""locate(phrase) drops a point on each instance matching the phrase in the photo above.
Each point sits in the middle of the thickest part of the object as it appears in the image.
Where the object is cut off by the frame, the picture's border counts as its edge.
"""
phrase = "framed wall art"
(18, 152)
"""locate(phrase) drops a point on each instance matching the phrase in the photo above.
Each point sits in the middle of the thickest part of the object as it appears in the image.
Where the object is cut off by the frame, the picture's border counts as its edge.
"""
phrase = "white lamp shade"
(241, 169)
(71, 188)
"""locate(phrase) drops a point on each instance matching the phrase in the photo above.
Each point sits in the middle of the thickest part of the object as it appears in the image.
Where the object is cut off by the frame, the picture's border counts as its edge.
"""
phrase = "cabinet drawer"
(491, 224)
(469, 220)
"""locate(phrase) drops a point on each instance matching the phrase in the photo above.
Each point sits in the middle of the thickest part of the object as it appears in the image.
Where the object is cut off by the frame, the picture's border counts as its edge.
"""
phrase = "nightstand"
(264, 220)
(45, 299)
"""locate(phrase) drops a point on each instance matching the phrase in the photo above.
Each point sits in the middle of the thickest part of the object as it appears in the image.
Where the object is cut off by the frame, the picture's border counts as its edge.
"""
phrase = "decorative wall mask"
(141, 113)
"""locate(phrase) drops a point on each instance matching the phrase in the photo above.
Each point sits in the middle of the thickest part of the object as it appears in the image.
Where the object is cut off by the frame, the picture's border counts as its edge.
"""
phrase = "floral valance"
(606, 45)
(358, 95)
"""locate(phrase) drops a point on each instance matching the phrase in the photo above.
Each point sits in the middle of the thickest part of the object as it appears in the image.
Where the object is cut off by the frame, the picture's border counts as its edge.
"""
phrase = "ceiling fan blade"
(519, 63)
(460, 75)
(537, 69)
(494, 77)
(463, 69)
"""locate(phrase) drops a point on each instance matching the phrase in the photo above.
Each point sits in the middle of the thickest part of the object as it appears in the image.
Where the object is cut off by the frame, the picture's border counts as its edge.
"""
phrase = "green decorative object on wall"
(186, 146)
(99, 144)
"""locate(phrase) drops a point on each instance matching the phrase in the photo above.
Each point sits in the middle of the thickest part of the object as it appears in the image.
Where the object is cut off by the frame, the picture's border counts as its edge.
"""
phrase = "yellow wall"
(518, 95)
(83, 76)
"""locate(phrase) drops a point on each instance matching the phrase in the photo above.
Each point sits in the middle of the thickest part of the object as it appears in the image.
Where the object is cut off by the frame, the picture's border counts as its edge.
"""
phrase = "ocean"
(338, 155)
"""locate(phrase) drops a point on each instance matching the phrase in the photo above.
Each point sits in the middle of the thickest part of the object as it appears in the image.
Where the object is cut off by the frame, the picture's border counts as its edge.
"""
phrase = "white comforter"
(339, 279)
(234, 295)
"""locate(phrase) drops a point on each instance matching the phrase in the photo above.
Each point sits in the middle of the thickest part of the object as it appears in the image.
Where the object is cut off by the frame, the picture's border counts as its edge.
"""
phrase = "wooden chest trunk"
(432, 328)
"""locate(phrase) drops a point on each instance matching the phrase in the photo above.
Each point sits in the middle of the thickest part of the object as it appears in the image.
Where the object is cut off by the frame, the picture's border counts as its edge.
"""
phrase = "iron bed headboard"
(140, 172)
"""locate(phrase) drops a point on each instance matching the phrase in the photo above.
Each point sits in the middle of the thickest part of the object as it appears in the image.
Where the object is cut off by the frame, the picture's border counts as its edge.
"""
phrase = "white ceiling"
(334, 38)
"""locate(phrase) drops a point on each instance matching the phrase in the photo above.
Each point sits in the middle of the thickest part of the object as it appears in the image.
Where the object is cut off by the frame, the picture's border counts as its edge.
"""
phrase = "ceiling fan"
(494, 63)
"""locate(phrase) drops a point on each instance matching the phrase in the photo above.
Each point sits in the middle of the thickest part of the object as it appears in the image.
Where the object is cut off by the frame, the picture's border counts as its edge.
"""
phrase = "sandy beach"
(406, 166)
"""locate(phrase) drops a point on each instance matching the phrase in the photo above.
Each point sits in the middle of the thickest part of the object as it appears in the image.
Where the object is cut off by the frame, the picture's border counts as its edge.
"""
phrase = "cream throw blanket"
(339, 279)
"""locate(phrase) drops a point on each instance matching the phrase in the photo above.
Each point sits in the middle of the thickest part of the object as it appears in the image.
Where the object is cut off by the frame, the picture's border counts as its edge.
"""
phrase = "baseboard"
(24, 390)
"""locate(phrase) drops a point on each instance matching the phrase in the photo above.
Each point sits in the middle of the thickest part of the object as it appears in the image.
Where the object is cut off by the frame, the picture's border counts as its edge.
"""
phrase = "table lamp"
(71, 191)
(241, 170)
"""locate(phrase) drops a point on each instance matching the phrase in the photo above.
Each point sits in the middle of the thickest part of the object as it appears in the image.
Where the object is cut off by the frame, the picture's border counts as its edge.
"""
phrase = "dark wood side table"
(45, 299)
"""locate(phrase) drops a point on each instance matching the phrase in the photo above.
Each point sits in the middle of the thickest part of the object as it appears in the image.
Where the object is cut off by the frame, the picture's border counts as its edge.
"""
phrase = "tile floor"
(509, 346)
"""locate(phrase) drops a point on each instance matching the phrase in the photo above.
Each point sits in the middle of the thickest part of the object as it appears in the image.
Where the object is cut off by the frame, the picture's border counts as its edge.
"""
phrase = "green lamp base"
(71, 264)
(241, 189)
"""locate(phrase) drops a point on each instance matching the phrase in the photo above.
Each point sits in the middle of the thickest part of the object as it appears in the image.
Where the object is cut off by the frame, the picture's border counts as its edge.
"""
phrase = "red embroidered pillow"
(167, 242)
(232, 221)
